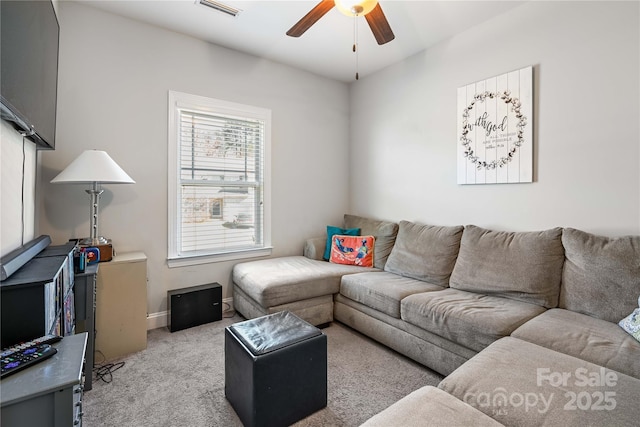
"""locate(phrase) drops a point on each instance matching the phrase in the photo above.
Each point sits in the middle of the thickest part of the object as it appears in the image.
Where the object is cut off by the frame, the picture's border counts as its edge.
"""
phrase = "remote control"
(46, 339)
(16, 360)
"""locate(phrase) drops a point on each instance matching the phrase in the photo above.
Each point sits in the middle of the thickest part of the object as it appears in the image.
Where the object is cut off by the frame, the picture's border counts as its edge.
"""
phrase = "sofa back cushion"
(384, 233)
(425, 252)
(601, 275)
(525, 266)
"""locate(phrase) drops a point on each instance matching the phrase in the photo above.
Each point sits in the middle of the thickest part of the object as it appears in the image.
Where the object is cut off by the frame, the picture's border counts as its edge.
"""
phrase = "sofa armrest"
(314, 248)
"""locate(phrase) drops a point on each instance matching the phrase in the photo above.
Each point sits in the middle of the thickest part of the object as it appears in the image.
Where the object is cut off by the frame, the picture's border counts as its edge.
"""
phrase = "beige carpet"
(179, 381)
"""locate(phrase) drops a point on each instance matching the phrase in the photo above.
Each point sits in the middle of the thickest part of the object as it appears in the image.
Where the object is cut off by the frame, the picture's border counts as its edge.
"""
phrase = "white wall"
(114, 79)
(17, 189)
(115, 74)
(586, 124)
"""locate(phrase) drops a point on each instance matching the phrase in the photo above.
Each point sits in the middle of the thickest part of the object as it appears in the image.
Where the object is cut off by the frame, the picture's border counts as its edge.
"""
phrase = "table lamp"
(96, 168)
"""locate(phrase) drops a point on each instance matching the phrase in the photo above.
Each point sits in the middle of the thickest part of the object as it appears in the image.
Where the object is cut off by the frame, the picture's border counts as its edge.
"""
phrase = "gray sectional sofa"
(522, 324)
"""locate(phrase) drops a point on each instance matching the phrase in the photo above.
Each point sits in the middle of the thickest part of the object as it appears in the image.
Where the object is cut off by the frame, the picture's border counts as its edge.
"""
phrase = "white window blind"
(220, 181)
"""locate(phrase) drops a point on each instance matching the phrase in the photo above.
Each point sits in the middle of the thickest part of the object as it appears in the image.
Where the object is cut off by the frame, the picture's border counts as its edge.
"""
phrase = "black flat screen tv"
(29, 34)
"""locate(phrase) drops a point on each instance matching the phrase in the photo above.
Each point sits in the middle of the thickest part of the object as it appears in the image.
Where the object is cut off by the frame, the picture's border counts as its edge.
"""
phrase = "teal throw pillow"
(332, 231)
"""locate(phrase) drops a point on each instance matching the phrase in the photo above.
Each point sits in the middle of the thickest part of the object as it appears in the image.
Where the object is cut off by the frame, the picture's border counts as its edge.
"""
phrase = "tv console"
(45, 296)
(48, 394)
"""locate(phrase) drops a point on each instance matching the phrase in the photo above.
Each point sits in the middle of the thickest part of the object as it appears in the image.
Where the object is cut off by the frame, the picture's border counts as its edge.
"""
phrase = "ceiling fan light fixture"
(220, 7)
(355, 7)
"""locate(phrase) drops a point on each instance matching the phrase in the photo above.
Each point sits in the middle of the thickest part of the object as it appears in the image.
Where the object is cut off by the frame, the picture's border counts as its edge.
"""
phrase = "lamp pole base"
(88, 241)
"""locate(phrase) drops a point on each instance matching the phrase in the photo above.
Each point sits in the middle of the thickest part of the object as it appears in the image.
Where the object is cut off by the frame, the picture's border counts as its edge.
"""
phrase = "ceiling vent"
(220, 7)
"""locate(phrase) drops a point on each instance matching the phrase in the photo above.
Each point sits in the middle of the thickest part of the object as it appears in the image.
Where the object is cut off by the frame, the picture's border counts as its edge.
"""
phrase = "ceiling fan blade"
(310, 18)
(379, 25)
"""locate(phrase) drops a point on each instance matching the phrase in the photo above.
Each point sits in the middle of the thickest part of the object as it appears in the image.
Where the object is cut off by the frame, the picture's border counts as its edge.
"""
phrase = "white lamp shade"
(93, 166)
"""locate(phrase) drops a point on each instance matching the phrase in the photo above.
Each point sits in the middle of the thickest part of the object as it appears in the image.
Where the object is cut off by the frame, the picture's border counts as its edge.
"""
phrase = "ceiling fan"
(369, 8)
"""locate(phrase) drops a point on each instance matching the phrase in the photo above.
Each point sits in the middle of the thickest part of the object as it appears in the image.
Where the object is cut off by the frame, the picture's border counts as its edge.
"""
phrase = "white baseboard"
(160, 319)
(157, 320)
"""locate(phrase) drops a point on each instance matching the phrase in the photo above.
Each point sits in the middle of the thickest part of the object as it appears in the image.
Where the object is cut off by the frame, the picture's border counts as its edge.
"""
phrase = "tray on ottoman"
(275, 369)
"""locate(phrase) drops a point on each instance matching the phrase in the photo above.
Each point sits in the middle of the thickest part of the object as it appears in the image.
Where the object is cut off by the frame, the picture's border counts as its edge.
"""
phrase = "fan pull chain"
(355, 40)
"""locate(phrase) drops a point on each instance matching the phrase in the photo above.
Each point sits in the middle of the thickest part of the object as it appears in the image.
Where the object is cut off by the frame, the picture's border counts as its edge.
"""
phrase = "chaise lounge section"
(298, 284)
(305, 285)
(465, 301)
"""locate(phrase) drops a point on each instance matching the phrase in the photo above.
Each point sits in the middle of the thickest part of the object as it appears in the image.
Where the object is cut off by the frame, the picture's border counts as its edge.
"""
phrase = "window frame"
(177, 102)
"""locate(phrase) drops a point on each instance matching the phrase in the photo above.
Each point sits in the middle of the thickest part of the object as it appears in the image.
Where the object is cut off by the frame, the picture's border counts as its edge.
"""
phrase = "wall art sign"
(495, 136)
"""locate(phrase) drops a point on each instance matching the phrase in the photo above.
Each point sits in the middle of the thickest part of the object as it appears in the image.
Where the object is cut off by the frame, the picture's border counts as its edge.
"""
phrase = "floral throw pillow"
(352, 250)
(631, 323)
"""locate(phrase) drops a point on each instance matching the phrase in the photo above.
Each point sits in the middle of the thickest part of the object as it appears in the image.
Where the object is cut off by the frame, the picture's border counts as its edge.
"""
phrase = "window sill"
(185, 261)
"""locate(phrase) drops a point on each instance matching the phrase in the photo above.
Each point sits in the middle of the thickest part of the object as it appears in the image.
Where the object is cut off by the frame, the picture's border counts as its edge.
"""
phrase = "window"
(218, 180)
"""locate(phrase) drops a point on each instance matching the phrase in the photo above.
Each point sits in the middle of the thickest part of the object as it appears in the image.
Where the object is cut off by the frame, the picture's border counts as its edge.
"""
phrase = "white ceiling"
(326, 48)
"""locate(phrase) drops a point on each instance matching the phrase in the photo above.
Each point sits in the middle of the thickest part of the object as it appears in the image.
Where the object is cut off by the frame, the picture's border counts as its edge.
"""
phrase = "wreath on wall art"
(466, 128)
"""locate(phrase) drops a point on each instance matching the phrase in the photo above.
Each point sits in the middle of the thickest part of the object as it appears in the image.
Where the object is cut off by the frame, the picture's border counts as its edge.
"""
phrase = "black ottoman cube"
(275, 369)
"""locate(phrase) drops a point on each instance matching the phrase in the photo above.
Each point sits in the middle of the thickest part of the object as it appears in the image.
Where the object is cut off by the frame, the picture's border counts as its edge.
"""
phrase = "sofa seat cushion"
(585, 337)
(470, 319)
(382, 291)
(430, 406)
(522, 384)
(525, 266)
(425, 252)
(601, 275)
(454, 352)
(276, 281)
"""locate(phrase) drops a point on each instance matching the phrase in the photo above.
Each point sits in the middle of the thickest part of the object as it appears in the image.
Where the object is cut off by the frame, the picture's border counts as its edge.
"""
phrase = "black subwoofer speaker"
(194, 306)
